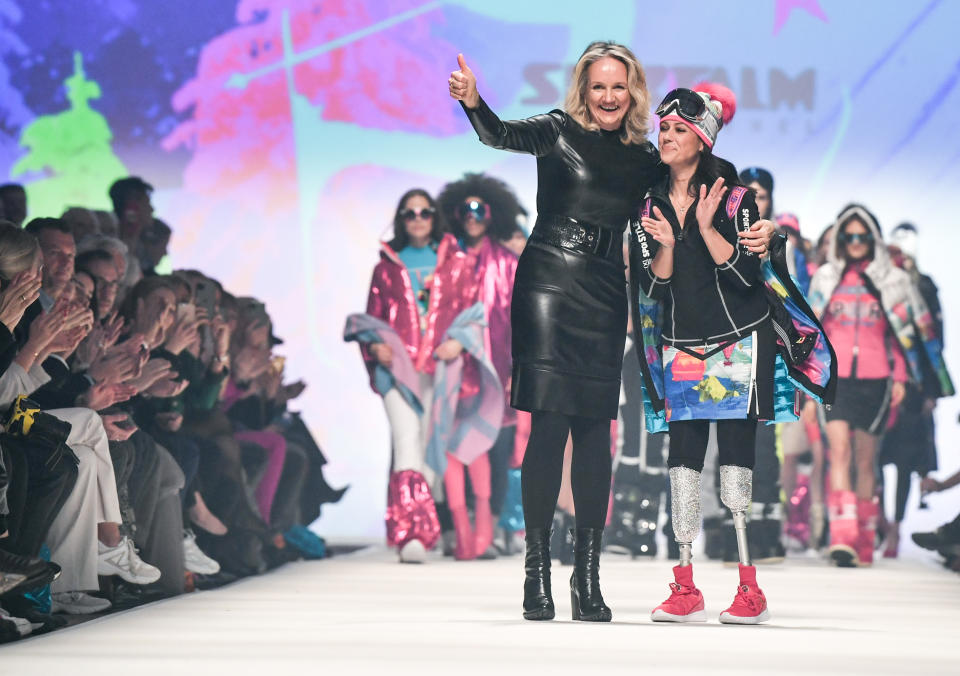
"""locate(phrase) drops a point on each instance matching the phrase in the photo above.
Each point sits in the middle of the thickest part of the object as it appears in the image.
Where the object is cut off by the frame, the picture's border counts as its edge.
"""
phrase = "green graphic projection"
(72, 149)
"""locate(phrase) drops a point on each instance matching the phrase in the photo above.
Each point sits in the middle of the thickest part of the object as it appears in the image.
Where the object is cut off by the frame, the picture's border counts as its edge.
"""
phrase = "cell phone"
(186, 311)
(205, 296)
(278, 363)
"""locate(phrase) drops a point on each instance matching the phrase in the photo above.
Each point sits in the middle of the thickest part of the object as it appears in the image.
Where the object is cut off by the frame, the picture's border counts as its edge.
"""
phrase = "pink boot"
(867, 513)
(749, 605)
(466, 542)
(844, 531)
(685, 603)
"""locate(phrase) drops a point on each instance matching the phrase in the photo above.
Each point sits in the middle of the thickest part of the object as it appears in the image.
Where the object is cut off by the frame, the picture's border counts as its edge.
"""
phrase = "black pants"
(736, 442)
(35, 495)
(500, 454)
(543, 468)
(766, 471)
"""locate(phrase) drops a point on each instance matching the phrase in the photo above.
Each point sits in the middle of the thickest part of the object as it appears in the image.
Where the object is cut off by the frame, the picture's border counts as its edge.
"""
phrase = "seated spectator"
(81, 221)
(101, 267)
(59, 252)
(86, 529)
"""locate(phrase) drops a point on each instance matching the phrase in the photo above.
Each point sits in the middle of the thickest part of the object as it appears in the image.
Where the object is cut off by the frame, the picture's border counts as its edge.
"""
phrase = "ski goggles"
(683, 102)
(425, 213)
(480, 211)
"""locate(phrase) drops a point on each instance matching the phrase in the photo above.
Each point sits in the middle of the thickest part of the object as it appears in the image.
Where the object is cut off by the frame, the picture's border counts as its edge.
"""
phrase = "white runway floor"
(366, 614)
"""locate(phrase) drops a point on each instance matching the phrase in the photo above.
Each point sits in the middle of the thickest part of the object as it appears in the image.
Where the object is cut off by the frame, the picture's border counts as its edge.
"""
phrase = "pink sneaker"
(685, 603)
(749, 605)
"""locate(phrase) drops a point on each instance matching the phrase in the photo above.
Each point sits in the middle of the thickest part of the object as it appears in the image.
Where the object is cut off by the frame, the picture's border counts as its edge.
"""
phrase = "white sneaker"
(413, 552)
(194, 559)
(122, 560)
(77, 603)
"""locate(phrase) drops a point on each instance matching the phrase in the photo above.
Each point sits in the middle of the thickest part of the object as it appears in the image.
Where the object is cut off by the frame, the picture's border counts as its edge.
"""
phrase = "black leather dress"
(569, 312)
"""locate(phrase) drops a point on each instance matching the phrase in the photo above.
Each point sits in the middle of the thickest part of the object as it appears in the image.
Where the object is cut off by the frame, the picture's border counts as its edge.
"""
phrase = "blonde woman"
(569, 313)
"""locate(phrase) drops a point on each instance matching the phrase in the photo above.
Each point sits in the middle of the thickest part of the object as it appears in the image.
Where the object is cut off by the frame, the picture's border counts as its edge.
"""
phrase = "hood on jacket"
(881, 262)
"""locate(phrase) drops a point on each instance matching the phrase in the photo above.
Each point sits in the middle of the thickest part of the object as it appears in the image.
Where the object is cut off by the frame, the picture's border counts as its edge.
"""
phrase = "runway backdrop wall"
(279, 134)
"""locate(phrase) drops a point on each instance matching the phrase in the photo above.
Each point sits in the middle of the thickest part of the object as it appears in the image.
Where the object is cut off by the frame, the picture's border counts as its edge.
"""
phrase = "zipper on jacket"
(856, 338)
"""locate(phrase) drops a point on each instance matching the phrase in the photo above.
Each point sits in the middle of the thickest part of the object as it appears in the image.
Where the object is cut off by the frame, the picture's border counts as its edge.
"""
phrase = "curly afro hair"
(505, 208)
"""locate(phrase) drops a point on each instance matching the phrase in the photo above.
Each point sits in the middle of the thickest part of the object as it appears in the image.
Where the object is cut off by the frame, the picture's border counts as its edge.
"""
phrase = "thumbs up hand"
(463, 84)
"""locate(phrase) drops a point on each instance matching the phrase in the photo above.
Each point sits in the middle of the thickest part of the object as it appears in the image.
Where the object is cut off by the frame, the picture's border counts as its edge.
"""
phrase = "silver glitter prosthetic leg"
(685, 504)
(736, 490)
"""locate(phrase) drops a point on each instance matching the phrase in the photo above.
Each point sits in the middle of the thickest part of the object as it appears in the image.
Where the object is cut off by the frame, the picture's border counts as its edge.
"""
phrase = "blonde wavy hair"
(636, 124)
(19, 250)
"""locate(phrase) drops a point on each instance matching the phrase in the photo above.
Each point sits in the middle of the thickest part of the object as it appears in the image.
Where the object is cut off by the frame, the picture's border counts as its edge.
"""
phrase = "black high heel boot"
(585, 597)
(537, 599)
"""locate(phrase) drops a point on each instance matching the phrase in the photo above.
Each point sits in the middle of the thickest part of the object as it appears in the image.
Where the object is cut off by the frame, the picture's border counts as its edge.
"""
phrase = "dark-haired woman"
(710, 351)
(882, 329)
(482, 211)
(419, 287)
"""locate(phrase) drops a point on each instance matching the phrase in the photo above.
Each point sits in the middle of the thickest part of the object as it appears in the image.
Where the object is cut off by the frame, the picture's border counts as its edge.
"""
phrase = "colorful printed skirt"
(721, 381)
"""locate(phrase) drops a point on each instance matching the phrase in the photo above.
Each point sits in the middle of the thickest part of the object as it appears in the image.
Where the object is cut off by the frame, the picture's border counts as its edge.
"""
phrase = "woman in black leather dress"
(569, 311)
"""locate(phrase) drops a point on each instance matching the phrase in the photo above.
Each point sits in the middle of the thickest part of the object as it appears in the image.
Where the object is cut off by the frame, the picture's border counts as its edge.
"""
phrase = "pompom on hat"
(718, 108)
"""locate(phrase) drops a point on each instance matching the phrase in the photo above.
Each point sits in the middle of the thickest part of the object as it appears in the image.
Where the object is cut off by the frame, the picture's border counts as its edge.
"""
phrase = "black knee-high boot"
(585, 597)
(537, 599)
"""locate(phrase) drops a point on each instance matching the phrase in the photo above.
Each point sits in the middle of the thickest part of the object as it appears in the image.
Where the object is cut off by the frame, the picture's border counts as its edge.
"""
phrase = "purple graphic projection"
(280, 133)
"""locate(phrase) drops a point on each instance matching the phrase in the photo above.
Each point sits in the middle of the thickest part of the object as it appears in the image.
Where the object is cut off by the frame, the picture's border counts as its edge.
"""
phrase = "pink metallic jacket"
(496, 266)
(452, 290)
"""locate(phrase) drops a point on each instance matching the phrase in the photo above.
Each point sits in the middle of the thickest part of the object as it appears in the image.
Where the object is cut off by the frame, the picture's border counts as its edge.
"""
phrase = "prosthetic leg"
(686, 602)
(749, 606)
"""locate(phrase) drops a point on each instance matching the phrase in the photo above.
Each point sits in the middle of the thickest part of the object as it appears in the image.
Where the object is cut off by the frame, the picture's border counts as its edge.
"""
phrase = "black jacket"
(705, 302)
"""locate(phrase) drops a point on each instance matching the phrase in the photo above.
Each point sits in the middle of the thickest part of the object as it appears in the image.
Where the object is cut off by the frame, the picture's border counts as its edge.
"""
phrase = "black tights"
(543, 468)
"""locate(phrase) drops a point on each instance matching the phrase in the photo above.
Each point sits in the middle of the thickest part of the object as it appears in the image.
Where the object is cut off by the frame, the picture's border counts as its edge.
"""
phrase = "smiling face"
(607, 96)
(59, 252)
(679, 146)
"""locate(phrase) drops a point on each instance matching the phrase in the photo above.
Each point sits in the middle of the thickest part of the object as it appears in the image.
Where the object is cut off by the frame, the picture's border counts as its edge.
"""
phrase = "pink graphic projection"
(785, 7)
(281, 134)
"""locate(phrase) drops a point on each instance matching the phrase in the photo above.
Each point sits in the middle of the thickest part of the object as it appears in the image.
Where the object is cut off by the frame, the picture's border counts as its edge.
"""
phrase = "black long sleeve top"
(589, 176)
(705, 302)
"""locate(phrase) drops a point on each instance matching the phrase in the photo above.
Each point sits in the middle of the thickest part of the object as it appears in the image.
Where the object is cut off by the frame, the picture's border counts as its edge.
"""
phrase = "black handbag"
(46, 436)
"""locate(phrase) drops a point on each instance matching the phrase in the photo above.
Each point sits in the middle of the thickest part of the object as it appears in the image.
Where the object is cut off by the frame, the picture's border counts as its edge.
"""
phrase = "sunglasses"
(426, 213)
(856, 238)
(479, 210)
(684, 102)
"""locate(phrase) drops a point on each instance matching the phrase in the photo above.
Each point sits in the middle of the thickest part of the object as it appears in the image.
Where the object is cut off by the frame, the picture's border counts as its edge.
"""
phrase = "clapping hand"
(153, 371)
(659, 228)
(709, 203)
(463, 84)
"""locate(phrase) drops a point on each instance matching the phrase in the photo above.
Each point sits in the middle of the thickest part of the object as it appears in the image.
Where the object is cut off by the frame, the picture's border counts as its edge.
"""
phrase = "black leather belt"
(571, 234)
